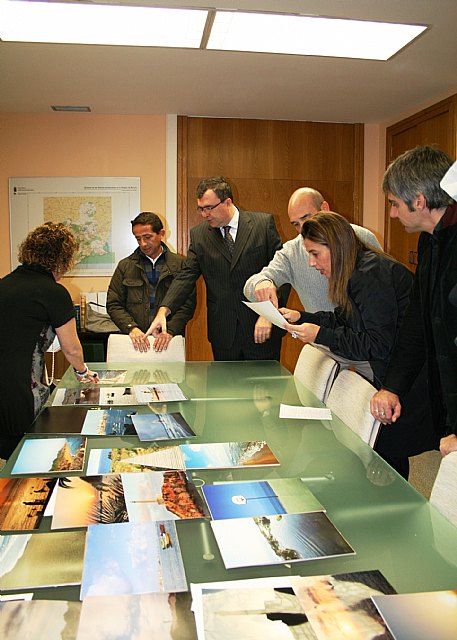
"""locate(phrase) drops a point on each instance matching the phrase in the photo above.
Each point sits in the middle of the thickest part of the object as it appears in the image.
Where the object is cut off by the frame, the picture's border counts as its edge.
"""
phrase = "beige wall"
(71, 144)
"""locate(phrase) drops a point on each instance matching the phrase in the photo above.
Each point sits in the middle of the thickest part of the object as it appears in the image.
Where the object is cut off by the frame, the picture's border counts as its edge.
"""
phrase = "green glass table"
(390, 526)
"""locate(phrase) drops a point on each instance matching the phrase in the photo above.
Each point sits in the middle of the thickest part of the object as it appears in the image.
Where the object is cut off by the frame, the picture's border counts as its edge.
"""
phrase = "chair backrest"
(349, 399)
(120, 349)
(444, 490)
(316, 370)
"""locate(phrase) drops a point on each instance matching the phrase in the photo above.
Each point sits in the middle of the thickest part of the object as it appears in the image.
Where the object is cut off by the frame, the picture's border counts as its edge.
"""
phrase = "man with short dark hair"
(141, 281)
(228, 247)
(412, 185)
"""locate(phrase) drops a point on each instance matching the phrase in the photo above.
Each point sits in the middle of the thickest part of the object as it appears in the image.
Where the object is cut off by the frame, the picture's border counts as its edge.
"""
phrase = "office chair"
(349, 399)
(445, 487)
(120, 349)
(316, 370)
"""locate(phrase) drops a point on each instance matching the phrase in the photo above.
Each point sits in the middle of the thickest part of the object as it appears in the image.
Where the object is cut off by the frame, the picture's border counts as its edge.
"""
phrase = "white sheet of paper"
(449, 181)
(303, 413)
(267, 310)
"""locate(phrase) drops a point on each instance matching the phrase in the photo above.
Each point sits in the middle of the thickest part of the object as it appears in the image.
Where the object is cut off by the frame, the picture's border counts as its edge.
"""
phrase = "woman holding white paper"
(371, 292)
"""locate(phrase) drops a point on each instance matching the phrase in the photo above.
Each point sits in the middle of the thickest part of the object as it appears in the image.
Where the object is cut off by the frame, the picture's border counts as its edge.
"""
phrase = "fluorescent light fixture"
(57, 107)
(22, 21)
(309, 36)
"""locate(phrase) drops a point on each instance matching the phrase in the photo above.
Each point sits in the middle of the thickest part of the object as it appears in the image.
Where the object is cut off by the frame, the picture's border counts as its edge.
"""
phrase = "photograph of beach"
(39, 619)
(159, 393)
(222, 455)
(111, 376)
(259, 498)
(23, 501)
(161, 426)
(138, 459)
(132, 558)
(50, 455)
(41, 559)
(165, 616)
(293, 537)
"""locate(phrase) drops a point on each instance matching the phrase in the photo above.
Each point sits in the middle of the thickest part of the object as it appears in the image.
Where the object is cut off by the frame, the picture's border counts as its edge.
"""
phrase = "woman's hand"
(290, 314)
(306, 332)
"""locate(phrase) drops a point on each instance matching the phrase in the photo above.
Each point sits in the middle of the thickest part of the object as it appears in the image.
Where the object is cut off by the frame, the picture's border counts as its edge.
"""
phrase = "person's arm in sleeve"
(72, 350)
(263, 285)
(116, 301)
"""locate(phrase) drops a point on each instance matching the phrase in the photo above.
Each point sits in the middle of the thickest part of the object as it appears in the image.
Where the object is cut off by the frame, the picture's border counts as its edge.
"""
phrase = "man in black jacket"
(412, 185)
(140, 282)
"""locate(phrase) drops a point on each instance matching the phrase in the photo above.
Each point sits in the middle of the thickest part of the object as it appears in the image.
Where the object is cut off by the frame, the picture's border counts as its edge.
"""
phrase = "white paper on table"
(267, 310)
(449, 181)
(304, 413)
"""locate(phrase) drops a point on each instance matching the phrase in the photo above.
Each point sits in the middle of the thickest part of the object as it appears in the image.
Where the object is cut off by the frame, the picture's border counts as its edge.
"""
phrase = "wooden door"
(265, 161)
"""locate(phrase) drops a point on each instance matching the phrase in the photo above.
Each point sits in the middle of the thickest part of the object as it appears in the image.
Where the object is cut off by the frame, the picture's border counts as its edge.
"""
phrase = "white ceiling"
(136, 80)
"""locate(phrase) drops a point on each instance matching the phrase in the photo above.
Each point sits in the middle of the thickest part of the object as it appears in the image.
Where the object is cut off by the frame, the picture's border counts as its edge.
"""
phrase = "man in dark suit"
(226, 249)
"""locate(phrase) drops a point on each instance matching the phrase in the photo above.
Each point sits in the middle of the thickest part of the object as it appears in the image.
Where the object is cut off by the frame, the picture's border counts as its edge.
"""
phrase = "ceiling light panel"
(309, 36)
(22, 21)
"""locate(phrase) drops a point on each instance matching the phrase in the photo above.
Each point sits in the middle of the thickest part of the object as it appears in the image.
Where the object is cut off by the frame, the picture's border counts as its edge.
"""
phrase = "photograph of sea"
(41, 559)
(339, 607)
(420, 616)
(127, 497)
(221, 455)
(259, 498)
(164, 616)
(161, 426)
(23, 501)
(138, 459)
(132, 558)
(292, 537)
(39, 619)
(108, 422)
(50, 455)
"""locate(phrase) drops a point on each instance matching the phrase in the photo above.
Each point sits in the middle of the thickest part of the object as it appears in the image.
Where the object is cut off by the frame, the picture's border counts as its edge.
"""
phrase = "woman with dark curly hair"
(34, 308)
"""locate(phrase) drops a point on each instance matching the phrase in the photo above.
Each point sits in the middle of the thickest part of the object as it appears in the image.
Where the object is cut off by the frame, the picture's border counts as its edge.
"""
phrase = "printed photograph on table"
(259, 498)
(223, 455)
(23, 502)
(159, 393)
(50, 455)
(421, 616)
(111, 376)
(96, 395)
(154, 457)
(161, 426)
(46, 619)
(264, 540)
(128, 497)
(41, 559)
(131, 558)
(165, 616)
(109, 422)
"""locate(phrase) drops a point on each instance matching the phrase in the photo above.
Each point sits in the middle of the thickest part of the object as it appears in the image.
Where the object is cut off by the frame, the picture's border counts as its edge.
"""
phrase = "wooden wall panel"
(436, 126)
(265, 161)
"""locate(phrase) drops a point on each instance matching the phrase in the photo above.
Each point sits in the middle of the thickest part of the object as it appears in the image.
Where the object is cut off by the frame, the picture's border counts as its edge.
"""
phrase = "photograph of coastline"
(293, 537)
(128, 497)
(41, 559)
(50, 455)
(39, 619)
(108, 422)
(161, 426)
(222, 455)
(165, 616)
(421, 616)
(23, 501)
(339, 607)
(259, 498)
(132, 558)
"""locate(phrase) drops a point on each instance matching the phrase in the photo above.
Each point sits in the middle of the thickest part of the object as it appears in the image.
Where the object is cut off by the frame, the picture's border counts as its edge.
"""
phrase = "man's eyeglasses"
(208, 207)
